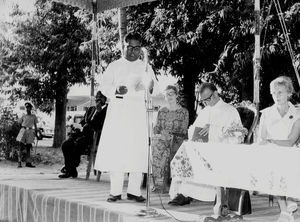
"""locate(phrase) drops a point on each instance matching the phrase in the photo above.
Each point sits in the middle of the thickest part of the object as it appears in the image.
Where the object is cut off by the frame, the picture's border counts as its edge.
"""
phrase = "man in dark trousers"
(79, 143)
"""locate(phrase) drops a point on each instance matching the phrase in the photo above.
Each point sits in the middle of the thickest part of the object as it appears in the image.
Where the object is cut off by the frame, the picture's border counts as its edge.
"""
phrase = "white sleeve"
(202, 118)
(237, 118)
(107, 82)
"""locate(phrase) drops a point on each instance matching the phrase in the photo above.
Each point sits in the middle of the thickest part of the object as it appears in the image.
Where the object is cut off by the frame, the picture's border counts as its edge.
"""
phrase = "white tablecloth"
(268, 169)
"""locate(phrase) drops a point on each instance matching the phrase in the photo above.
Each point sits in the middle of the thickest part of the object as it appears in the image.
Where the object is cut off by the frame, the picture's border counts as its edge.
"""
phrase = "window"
(72, 108)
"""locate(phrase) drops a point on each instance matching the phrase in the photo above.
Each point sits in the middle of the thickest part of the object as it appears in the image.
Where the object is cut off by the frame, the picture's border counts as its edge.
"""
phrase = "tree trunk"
(122, 25)
(60, 114)
(189, 80)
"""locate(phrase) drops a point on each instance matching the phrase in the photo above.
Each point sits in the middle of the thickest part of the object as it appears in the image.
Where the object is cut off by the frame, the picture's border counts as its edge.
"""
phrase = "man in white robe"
(214, 118)
(123, 147)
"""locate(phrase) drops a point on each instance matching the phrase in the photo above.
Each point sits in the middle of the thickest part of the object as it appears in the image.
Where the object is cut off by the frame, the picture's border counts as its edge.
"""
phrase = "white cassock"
(219, 117)
(123, 145)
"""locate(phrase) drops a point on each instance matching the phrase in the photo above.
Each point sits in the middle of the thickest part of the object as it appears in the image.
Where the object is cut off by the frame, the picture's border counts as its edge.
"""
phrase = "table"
(268, 169)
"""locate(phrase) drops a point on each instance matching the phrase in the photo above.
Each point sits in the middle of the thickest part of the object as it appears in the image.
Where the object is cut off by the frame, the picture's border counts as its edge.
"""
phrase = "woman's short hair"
(283, 81)
(172, 87)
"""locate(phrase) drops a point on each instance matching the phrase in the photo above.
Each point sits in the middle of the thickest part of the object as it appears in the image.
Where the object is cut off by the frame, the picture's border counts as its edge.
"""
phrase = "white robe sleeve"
(107, 82)
(201, 121)
(236, 117)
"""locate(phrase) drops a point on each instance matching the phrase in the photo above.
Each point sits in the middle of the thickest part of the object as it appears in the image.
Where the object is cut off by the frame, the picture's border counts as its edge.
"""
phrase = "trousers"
(117, 181)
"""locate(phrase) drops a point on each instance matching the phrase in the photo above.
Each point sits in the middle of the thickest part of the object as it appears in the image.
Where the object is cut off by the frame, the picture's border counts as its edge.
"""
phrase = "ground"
(46, 157)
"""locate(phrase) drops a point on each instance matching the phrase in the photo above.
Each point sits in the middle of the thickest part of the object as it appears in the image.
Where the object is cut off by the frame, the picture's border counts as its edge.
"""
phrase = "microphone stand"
(148, 211)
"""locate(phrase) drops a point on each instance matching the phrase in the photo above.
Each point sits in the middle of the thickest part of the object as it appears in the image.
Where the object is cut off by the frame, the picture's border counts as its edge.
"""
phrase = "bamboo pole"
(256, 69)
(257, 56)
(94, 48)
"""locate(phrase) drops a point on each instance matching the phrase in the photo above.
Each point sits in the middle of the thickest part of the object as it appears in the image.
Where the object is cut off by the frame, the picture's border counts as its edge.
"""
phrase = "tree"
(180, 38)
(214, 41)
(122, 24)
(235, 62)
(46, 57)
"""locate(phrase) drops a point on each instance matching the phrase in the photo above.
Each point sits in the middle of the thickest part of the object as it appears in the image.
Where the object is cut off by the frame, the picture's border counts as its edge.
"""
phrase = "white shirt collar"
(291, 111)
(218, 104)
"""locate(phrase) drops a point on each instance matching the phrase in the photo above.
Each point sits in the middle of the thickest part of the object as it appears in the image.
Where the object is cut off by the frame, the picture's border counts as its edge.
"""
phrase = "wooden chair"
(92, 157)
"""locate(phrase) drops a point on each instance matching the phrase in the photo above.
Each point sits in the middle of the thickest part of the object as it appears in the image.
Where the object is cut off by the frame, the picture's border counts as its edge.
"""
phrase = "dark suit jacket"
(93, 122)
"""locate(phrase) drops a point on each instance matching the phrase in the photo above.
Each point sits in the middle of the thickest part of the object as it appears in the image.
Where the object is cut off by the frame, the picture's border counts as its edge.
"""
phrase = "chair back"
(248, 117)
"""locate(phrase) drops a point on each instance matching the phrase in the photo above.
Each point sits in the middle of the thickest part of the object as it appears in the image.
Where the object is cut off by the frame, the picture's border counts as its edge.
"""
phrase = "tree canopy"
(45, 56)
(214, 41)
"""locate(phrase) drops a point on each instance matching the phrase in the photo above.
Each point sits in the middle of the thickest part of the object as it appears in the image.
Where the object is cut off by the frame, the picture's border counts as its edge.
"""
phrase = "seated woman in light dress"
(169, 132)
(280, 124)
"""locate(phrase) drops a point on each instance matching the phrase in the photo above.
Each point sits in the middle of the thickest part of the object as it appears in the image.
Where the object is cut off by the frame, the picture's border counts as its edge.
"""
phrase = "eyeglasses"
(171, 94)
(207, 99)
(133, 48)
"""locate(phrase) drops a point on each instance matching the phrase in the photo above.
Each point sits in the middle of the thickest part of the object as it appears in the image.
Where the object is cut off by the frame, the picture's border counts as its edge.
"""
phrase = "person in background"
(280, 125)
(170, 131)
(79, 143)
(69, 124)
(27, 134)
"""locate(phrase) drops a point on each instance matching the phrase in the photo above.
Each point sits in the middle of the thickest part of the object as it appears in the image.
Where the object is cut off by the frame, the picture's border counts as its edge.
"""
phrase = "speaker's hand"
(121, 90)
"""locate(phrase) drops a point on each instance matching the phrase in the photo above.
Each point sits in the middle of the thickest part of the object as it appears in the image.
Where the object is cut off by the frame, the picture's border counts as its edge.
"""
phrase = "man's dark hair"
(133, 36)
(100, 95)
(208, 85)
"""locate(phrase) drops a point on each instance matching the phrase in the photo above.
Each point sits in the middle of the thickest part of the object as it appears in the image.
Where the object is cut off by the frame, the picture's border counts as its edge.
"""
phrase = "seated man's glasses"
(206, 99)
(171, 94)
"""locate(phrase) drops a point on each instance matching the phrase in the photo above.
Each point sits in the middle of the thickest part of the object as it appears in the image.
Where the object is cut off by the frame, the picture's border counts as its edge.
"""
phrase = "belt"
(27, 128)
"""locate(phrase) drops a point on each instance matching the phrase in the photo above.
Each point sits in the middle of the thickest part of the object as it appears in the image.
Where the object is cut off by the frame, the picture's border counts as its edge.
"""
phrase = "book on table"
(199, 138)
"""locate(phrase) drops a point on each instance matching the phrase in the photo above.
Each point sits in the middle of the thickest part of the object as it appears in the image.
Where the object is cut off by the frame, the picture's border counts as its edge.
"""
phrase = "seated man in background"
(79, 143)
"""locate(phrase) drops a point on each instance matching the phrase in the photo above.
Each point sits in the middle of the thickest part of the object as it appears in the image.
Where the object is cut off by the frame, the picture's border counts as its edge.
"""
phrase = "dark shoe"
(139, 199)
(113, 198)
(180, 200)
(29, 165)
(64, 175)
(68, 175)
(74, 174)
(19, 165)
(63, 170)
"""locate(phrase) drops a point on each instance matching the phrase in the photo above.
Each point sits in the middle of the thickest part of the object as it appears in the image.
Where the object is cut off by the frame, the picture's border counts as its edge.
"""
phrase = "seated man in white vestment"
(123, 147)
(213, 119)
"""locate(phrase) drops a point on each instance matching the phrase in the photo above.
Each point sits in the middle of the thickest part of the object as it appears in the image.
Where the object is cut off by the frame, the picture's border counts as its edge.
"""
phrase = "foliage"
(46, 50)
(108, 38)
(9, 129)
(214, 41)
(178, 41)
(45, 56)
(235, 65)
